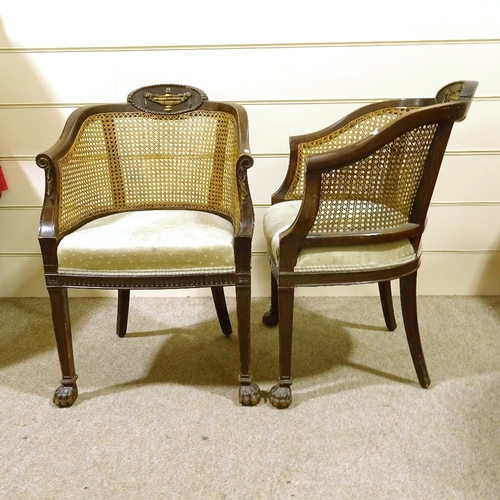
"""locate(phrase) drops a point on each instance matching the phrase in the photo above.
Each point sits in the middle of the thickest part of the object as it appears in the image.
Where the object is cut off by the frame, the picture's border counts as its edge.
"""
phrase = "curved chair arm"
(244, 232)
(247, 216)
(245, 161)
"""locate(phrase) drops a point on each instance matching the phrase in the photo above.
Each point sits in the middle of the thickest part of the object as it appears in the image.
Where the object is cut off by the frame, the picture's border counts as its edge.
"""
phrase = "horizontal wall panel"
(27, 132)
(26, 183)
(21, 228)
(462, 227)
(480, 128)
(265, 177)
(57, 77)
(459, 274)
(61, 24)
(31, 131)
(272, 125)
(449, 227)
(341, 72)
(22, 276)
(251, 74)
(468, 178)
(459, 227)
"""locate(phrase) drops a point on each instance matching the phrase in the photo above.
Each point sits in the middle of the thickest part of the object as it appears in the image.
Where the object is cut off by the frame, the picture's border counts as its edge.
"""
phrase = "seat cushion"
(150, 242)
(376, 256)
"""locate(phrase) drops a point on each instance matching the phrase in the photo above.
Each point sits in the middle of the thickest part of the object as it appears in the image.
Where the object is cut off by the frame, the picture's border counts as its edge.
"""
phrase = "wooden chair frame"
(51, 234)
(451, 104)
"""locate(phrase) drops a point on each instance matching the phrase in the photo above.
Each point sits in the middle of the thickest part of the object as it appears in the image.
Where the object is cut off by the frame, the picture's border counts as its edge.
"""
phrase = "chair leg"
(408, 289)
(281, 394)
(66, 394)
(221, 308)
(249, 393)
(271, 317)
(122, 315)
(384, 288)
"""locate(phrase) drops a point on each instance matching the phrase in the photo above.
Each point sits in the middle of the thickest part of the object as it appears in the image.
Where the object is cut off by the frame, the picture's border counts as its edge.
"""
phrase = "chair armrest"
(244, 231)
(247, 217)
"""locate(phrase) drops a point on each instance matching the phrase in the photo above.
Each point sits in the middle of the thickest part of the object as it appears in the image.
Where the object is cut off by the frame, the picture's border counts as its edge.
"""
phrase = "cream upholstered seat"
(353, 207)
(333, 258)
(150, 242)
(145, 195)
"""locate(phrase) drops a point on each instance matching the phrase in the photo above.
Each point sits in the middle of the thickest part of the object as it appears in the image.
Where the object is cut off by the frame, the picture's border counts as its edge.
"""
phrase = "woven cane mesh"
(349, 134)
(377, 192)
(132, 161)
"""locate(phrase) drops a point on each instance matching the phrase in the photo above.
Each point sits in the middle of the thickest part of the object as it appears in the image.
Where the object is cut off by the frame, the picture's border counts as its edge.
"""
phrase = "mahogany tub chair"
(149, 194)
(353, 207)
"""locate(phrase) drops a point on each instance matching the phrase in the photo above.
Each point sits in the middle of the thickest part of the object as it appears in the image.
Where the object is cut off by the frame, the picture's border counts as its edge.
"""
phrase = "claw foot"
(281, 396)
(249, 395)
(270, 318)
(65, 395)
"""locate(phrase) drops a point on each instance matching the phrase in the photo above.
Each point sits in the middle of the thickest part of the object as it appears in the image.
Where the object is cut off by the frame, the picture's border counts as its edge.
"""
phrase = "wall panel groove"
(250, 46)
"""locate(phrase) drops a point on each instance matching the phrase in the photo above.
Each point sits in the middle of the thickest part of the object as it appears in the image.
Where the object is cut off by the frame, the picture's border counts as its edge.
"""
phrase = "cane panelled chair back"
(149, 194)
(353, 207)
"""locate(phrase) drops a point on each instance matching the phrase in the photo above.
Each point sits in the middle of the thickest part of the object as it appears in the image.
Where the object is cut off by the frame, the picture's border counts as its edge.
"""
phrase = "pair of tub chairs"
(153, 194)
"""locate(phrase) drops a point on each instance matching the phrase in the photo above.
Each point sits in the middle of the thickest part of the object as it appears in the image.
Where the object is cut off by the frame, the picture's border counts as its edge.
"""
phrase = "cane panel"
(350, 133)
(123, 161)
(377, 192)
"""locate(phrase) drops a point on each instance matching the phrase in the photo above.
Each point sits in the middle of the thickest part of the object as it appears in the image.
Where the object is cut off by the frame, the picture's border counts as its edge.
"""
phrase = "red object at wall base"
(3, 182)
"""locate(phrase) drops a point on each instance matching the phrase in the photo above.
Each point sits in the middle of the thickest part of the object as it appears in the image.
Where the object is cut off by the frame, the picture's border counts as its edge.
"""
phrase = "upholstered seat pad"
(280, 217)
(150, 242)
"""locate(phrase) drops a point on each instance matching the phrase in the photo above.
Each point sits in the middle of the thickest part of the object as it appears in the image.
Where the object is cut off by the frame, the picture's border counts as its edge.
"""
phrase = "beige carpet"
(158, 418)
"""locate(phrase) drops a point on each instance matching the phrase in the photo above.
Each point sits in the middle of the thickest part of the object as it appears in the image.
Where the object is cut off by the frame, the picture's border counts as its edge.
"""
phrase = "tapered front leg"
(249, 393)
(281, 394)
(408, 289)
(66, 394)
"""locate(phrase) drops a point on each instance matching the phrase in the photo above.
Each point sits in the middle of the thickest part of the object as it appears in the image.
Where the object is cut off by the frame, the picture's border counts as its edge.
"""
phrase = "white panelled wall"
(295, 67)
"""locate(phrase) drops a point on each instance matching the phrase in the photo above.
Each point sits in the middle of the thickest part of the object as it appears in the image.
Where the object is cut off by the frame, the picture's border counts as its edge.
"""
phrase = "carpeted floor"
(158, 417)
